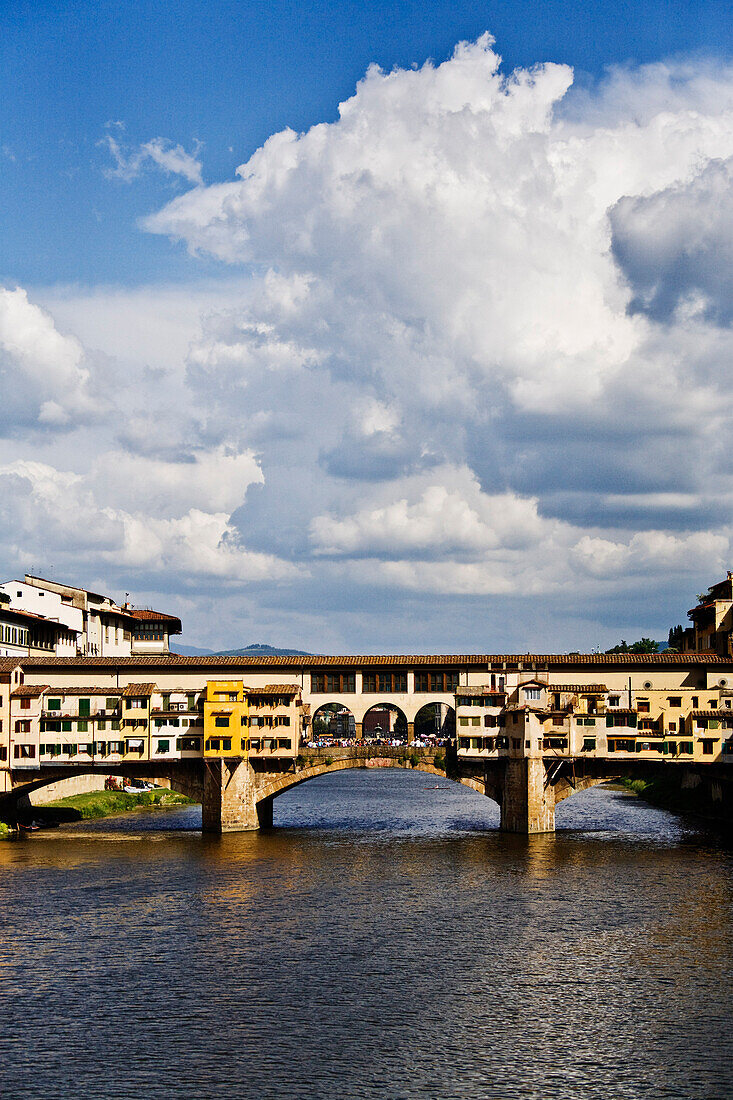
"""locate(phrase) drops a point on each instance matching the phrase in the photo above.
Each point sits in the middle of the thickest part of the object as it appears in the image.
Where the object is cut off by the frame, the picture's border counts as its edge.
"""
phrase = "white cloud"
(44, 379)
(476, 341)
(170, 157)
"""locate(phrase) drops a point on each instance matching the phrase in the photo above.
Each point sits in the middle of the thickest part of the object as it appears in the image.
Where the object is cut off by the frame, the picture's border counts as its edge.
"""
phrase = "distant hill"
(259, 649)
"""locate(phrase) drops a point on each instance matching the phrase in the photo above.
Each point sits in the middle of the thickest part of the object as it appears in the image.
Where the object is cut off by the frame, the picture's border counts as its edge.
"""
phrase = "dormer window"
(532, 694)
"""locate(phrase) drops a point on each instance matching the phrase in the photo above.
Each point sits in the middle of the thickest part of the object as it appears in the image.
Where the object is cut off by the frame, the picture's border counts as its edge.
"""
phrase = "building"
(712, 620)
(86, 623)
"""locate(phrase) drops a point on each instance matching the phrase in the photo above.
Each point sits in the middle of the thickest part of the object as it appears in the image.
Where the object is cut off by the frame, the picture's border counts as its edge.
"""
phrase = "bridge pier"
(228, 804)
(527, 806)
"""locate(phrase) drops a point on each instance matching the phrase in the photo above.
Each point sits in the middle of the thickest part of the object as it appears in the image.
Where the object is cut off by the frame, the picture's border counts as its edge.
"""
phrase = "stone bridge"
(238, 795)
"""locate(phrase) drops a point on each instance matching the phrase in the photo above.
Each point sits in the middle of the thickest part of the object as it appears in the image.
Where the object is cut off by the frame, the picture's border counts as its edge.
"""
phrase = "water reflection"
(385, 940)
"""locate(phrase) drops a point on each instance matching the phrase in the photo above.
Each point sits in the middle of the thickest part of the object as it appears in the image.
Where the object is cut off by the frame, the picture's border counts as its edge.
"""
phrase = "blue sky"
(449, 371)
(229, 75)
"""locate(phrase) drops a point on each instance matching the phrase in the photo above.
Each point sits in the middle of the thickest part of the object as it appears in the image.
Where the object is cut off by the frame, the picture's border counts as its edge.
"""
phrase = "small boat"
(32, 828)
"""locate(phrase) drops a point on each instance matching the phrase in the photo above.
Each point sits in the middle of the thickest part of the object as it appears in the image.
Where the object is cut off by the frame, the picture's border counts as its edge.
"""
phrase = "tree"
(676, 637)
(644, 645)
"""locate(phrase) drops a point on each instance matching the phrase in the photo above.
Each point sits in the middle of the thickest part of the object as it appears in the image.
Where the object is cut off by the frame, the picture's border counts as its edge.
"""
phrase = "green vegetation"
(644, 645)
(675, 638)
(667, 792)
(4, 831)
(414, 759)
(328, 761)
(439, 762)
(300, 760)
(107, 803)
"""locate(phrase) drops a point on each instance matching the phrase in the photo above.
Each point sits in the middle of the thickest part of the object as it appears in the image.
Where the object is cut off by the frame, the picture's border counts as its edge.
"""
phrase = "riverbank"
(667, 792)
(96, 804)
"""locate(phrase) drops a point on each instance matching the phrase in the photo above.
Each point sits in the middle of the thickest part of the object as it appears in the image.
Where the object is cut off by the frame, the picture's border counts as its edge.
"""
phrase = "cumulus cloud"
(477, 342)
(675, 246)
(44, 506)
(44, 378)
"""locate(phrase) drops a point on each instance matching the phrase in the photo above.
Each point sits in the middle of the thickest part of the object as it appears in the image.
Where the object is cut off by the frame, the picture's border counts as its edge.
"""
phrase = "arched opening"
(435, 723)
(384, 723)
(403, 800)
(332, 724)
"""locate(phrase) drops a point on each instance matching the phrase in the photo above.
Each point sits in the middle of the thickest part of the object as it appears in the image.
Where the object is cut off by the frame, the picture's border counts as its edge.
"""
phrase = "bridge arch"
(333, 720)
(326, 765)
(385, 721)
(435, 720)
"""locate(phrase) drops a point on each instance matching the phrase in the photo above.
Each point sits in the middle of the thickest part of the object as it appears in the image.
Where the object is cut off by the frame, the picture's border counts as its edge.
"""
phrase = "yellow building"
(226, 713)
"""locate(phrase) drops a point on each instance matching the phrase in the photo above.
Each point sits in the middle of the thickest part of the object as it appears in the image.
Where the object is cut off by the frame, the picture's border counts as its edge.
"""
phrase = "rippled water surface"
(385, 941)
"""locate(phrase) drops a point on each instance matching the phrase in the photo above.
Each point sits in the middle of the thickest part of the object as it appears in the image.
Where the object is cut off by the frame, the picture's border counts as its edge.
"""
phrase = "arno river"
(385, 942)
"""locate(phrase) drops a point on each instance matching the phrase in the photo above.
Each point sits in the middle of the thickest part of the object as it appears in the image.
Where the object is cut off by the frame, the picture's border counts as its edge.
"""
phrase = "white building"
(93, 624)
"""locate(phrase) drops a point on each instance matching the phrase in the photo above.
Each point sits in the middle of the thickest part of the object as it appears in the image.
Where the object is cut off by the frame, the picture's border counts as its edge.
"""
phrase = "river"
(383, 941)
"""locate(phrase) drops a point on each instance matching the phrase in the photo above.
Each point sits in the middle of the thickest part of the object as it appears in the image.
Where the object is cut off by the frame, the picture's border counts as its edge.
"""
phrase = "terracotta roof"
(274, 689)
(621, 710)
(436, 660)
(107, 691)
(133, 690)
(723, 713)
(465, 689)
(145, 615)
(29, 691)
(580, 689)
(7, 664)
(38, 619)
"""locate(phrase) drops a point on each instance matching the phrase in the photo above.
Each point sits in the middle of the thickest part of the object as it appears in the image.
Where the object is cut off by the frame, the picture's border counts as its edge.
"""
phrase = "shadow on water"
(384, 940)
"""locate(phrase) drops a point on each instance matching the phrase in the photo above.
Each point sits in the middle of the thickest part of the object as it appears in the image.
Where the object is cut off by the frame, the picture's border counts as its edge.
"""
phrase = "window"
(110, 704)
(82, 726)
(282, 720)
(672, 727)
(675, 700)
(476, 720)
(707, 746)
(532, 694)
(25, 704)
(463, 721)
(695, 702)
(53, 704)
(589, 744)
(189, 744)
(213, 744)
(283, 743)
(642, 705)
(84, 707)
(374, 682)
(712, 703)
(436, 681)
(191, 702)
(135, 704)
(25, 752)
(22, 727)
(164, 746)
(221, 720)
(341, 682)
(66, 726)
(614, 700)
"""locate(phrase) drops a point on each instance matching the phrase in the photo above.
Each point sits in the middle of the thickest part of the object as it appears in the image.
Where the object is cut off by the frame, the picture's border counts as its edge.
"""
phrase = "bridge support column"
(410, 732)
(228, 804)
(359, 730)
(526, 806)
